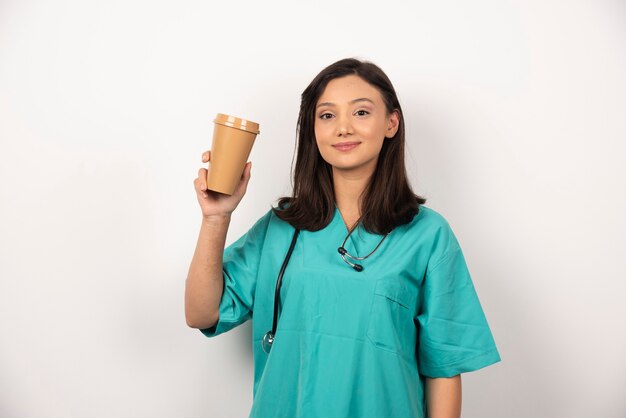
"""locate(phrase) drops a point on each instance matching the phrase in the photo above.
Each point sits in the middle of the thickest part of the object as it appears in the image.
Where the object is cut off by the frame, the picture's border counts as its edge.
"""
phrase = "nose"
(343, 127)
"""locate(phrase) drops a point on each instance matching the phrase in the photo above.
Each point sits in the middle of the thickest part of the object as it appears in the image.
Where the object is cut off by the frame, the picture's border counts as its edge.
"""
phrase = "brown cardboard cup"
(233, 138)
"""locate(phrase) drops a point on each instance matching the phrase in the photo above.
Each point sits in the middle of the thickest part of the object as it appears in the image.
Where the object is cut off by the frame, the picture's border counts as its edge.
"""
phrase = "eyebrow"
(361, 99)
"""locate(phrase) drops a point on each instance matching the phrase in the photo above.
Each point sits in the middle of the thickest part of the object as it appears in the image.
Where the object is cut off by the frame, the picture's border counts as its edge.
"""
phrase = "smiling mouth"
(346, 146)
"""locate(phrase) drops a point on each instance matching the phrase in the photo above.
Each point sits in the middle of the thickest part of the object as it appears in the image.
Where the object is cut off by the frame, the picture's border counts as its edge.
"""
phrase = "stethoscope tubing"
(280, 280)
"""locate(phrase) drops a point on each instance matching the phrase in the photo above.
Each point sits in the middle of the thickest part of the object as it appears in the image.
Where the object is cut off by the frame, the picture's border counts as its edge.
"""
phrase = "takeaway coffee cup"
(233, 138)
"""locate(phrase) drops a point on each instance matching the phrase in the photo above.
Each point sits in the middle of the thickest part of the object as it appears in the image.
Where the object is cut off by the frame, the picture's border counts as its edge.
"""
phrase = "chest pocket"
(391, 325)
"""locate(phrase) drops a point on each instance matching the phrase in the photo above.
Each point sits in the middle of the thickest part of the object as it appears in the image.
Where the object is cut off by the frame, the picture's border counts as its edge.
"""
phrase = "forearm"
(205, 281)
(443, 397)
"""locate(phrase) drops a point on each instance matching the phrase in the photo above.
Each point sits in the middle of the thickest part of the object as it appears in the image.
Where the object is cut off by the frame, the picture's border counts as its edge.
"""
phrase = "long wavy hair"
(387, 200)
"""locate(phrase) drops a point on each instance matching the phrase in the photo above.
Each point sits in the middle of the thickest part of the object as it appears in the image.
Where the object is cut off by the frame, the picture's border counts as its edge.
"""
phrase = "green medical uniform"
(348, 343)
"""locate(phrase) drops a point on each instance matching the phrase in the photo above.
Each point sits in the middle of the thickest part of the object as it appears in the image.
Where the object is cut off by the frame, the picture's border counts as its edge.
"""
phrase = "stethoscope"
(268, 338)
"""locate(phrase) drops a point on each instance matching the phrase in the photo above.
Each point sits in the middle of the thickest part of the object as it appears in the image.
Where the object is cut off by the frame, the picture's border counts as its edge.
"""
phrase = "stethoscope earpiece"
(344, 252)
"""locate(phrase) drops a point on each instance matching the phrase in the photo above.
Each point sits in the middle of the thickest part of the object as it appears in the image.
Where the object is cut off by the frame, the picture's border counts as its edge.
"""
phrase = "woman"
(378, 316)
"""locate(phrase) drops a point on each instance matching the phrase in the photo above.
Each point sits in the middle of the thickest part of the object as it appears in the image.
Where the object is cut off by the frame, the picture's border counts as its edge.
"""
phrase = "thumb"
(246, 173)
(242, 187)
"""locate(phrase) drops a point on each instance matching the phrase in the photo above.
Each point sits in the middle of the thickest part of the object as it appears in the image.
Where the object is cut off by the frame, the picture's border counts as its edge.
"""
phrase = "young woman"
(362, 301)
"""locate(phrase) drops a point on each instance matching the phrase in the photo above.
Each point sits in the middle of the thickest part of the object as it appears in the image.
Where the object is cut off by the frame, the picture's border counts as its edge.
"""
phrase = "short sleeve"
(240, 265)
(454, 336)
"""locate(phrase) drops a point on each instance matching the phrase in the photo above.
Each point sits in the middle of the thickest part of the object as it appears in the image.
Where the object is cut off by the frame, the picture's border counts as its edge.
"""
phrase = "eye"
(365, 112)
(322, 116)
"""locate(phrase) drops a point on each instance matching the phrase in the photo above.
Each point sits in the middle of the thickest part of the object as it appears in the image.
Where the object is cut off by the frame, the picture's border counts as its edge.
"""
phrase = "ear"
(393, 123)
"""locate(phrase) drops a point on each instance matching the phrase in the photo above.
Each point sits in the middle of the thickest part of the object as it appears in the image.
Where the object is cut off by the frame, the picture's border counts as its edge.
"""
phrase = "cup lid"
(239, 123)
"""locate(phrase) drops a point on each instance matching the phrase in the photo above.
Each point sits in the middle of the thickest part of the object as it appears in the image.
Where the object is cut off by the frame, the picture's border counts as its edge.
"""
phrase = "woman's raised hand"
(219, 204)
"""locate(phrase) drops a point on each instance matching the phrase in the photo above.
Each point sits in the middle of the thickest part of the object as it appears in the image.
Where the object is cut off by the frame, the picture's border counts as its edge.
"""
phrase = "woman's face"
(351, 123)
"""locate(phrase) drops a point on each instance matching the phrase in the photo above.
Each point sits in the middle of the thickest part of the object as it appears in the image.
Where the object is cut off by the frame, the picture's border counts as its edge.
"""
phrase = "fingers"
(246, 174)
(201, 184)
(201, 180)
(242, 186)
(246, 171)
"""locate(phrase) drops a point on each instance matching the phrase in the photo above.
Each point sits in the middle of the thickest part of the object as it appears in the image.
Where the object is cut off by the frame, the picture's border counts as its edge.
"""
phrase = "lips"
(346, 146)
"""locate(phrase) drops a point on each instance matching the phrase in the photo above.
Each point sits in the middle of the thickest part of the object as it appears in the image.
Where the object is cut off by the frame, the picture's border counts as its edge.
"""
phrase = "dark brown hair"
(388, 200)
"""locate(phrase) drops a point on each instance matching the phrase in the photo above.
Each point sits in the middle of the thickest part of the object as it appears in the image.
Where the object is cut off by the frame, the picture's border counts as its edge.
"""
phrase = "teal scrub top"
(348, 343)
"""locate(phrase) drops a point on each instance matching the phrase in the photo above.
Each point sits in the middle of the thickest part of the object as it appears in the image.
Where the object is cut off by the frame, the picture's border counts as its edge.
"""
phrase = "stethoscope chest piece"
(268, 340)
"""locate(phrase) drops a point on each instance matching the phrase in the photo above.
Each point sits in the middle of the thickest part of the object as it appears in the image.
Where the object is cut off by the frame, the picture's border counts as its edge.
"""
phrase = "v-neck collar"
(343, 223)
(359, 233)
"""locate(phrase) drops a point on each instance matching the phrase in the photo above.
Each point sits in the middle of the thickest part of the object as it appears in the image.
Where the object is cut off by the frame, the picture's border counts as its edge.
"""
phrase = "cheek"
(376, 131)
(322, 133)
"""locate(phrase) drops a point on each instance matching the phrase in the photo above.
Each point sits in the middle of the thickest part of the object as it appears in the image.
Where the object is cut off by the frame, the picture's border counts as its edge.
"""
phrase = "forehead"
(343, 89)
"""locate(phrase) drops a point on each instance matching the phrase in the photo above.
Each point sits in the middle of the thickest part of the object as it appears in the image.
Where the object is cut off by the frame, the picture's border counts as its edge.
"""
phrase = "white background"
(516, 129)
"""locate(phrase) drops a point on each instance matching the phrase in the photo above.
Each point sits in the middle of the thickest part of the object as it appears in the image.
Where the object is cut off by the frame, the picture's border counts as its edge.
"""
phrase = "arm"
(443, 397)
(205, 280)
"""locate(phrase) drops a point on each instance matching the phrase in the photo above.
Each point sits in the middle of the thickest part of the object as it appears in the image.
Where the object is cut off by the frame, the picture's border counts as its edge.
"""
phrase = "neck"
(349, 188)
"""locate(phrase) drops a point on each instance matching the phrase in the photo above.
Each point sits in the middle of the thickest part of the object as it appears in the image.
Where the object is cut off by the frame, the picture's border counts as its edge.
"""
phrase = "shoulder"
(429, 221)
(261, 230)
(433, 231)
(269, 222)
